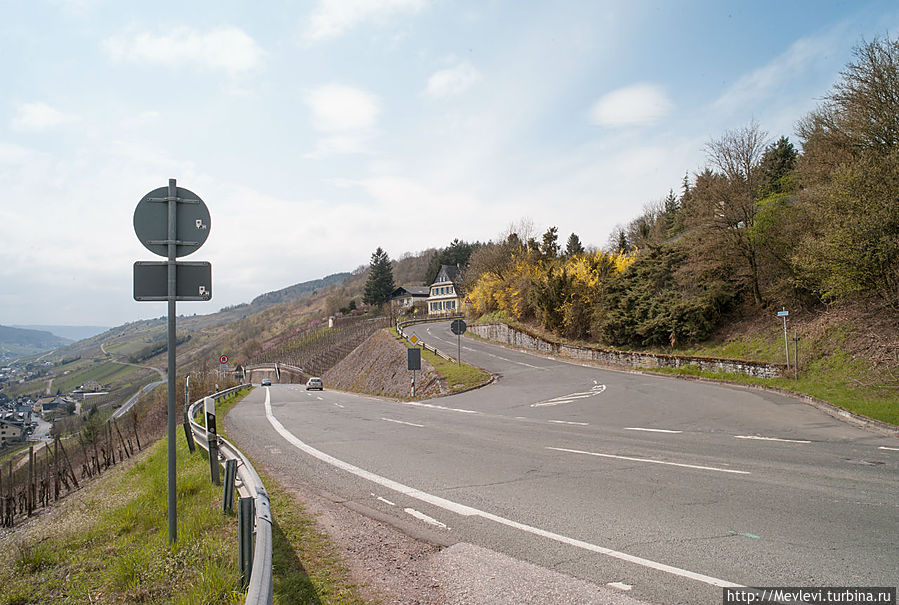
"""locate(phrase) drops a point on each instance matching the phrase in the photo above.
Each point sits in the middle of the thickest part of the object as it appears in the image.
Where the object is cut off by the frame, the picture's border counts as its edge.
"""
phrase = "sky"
(317, 131)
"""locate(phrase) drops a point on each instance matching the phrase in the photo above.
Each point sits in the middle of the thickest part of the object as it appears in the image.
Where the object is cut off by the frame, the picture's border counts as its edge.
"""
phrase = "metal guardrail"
(400, 328)
(259, 590)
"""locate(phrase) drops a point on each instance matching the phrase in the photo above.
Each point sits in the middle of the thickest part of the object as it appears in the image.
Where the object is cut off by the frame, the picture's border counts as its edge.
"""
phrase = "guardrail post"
(212, 439)
(188, 434)
(228, 493)
(246, 516)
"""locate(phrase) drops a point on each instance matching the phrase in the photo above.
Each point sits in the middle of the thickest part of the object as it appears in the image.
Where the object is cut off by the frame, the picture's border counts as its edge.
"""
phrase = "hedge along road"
(666, 488)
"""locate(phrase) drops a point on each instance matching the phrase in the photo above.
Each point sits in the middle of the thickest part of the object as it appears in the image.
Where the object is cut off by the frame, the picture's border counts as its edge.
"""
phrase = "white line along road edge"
(467, 511)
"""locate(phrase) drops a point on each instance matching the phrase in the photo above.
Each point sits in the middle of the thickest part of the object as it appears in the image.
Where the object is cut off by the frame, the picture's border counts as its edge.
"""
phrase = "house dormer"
(446, 295)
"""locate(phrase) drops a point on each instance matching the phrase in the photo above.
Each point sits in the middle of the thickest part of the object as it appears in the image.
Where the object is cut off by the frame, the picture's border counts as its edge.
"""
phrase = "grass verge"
(109, 542)
(459, 378)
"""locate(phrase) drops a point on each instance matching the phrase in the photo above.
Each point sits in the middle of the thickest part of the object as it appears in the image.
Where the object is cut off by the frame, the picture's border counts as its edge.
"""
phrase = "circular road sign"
(458, 327)
(151, 222)
(223, 359)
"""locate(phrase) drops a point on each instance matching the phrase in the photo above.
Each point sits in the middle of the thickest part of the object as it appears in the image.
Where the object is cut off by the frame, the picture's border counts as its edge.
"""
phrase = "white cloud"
(347, 115)
(780, 72)
(226, 48)
(638, 104)
(336, 107)
(334, 17)
(453, 81)
(36, 117)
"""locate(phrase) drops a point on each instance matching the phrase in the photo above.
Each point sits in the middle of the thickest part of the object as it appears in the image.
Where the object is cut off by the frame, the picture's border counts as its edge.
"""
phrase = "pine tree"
(550, 247)
(379, 285)
(574, 246)
(623, 246)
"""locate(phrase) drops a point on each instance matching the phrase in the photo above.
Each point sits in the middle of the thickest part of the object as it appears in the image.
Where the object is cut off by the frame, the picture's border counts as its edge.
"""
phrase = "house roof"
(448, 274)
(414, 291)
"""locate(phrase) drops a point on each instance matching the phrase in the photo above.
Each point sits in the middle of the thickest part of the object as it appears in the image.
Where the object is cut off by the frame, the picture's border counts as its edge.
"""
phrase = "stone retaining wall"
(506, 334)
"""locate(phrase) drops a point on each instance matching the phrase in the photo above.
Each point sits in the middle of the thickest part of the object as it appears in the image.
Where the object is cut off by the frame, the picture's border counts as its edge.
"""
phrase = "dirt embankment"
(378, 367)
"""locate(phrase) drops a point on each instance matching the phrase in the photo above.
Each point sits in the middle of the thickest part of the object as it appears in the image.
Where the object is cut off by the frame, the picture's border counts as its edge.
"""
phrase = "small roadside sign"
(458, 327)
(414, 339)
(223, 359)
(413, 359)
(193, 280)
(783, 313)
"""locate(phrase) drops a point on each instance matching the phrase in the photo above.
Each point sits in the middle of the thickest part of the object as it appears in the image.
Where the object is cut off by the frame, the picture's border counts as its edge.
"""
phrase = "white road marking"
(770, 439)
(637, 428)
(338, 405)
(380, 499)
(468, 511)
(620, 586)
(320, 398)
(545, 404)
(892, 449)
(650, 460)
(569, 422)
(596, 390)
(434, 406)
(425, 518)
(421, 426)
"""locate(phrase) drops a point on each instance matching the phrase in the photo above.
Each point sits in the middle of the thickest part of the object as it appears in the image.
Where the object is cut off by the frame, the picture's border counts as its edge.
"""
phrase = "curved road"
(663, 488)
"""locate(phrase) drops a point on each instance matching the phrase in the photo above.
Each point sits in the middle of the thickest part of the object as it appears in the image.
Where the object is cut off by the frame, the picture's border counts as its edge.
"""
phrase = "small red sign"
(223, 359)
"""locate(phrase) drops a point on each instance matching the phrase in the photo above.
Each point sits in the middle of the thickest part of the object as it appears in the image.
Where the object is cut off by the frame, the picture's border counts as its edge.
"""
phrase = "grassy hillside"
(109, 542)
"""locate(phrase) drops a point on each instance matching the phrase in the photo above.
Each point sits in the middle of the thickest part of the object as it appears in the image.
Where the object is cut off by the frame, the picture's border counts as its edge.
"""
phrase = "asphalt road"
(663, 489)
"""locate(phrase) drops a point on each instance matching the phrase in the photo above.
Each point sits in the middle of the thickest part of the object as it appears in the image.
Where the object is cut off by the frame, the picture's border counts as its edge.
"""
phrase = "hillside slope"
(378, 366)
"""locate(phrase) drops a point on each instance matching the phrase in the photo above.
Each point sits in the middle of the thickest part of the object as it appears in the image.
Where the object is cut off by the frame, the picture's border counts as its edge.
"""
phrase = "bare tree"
(725, 213)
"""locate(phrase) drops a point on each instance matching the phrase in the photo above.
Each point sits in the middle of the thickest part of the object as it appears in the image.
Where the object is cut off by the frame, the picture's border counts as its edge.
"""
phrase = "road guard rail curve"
(249, 485)
(401, 330)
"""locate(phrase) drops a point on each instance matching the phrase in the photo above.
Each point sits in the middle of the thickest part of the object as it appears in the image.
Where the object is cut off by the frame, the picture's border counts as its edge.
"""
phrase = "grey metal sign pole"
(165, 231)
(172, 237)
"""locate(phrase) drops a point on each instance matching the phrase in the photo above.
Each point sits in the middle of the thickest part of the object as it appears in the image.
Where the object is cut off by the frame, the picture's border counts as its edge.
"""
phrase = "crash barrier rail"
(249, 486)
(401, 330)
(277, 367)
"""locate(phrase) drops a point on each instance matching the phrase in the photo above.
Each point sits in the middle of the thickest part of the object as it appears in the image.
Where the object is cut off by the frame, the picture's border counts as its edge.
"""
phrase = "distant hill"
(297, 290)
(18, 342)
(69, 332)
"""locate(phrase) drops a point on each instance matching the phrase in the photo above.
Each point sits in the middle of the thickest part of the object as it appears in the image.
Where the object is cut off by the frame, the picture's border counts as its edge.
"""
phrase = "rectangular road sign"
(413, 358)
(783, 313)
(193, 280)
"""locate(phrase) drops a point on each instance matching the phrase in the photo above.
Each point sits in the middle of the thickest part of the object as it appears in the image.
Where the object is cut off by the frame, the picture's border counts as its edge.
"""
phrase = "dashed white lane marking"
(434, 406)
(423, 517)
(638, 428)
(620, 586)
(338, 405)
(651, 461)
(596, 390)
(892, 449)
(770, 439)
(569, 422)
(421, 426)
(468, 511)
(380, 499)
(320, 398)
